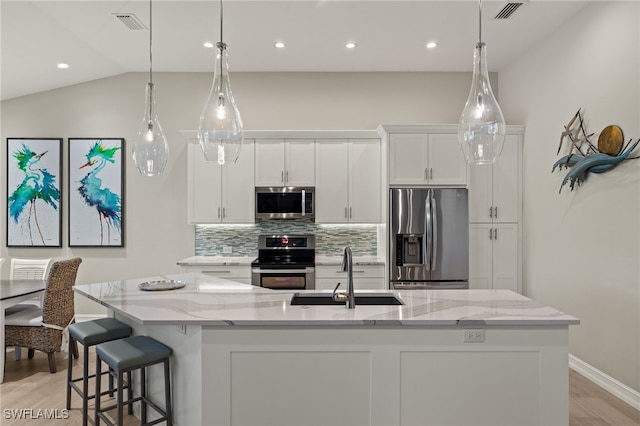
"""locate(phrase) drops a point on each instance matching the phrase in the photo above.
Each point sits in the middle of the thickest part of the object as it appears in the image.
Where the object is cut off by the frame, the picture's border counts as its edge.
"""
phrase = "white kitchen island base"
(368, 376)
(245, 356)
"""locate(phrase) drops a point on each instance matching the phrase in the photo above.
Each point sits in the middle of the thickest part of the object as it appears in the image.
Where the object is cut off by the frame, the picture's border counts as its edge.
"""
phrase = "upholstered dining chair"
(42, 328)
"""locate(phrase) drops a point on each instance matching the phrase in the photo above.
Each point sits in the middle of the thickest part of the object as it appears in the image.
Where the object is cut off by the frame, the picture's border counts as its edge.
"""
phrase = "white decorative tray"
(161, 285)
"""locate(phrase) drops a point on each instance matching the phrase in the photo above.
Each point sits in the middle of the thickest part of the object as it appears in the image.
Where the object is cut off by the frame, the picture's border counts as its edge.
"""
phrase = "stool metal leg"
(119, 392)
(143, 394)
(167, 392)
(130, 391)
(97, 402)
(69, 374)
(85, 386)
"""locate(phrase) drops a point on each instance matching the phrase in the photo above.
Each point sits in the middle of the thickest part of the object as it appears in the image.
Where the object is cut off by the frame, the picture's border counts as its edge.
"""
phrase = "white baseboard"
(608, 383)
(89, 317)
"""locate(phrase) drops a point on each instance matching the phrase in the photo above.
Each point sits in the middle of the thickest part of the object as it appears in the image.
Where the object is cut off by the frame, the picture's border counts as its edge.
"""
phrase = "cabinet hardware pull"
(286, 176)
(350, 212)
(491, 212)
(224, 212)
(426, 174)
(218, 211)
(216, 272)
(431, 173)
(495, 212)
(281, 175)
(359, 272)
(345, 213)
(495, 233)
(490, 234)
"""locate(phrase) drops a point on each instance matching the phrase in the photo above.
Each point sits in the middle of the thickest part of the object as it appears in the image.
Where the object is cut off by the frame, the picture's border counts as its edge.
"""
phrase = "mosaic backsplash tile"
(243, 239)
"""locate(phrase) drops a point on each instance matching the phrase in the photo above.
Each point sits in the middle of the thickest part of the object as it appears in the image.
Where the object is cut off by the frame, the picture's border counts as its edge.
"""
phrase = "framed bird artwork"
(96, 192)
(34, 182)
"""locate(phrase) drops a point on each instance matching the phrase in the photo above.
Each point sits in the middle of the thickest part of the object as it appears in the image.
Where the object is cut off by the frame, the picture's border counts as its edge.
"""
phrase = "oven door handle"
(282, 271)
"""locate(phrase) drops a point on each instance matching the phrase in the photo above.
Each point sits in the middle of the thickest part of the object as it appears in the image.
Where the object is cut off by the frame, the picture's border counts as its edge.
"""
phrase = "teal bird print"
(38, 184)
(107, 203)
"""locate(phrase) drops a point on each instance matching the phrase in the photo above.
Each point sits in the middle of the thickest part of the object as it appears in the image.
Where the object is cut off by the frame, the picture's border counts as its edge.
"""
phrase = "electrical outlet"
(474, 336)
(227, 250)
(181, 328)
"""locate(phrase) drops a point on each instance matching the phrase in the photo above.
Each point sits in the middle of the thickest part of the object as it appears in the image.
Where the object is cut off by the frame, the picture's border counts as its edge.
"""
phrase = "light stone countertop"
(216, 260)
(212, 301)
(321, 260)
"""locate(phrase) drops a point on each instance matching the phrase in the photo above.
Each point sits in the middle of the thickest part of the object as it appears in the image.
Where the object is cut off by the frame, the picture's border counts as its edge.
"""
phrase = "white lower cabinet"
(365, 277)
(493, 256)
(239, 273)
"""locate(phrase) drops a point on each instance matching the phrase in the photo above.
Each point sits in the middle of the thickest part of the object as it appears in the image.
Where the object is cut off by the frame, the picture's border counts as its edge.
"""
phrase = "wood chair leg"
(31, 353)
(52, 362)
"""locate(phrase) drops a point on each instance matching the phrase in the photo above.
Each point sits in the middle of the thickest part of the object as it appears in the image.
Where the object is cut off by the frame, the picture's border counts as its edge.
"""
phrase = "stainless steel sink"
(361, 299)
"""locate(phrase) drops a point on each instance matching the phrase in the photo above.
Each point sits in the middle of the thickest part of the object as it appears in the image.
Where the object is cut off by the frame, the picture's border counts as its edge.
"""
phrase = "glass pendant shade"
(220, 132)
(481, 128)
(150, 147)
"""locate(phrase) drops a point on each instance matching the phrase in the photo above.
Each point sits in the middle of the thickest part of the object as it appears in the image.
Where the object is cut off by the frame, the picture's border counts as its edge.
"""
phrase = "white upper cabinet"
(285, 162)
(220, 194)
(426, 159)
(494, 190)
(348, 181)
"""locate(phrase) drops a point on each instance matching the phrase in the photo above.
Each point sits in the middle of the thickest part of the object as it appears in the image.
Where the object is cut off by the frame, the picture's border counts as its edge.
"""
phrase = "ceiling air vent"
(508, 10)
(130, 20)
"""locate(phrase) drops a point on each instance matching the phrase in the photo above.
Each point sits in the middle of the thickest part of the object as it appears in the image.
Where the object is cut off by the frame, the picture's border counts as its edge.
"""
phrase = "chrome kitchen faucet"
(347, 266)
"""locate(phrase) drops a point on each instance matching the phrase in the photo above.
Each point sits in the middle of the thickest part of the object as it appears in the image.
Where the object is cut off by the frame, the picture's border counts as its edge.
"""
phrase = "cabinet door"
(480, 256)
(408, 159)
(332, 166)
(505, 256)
(447, 165)
(238, 195)
(480, 193)
(269, 162)
(506, 181)
(204, 187)
(365, 181)
(300, 165)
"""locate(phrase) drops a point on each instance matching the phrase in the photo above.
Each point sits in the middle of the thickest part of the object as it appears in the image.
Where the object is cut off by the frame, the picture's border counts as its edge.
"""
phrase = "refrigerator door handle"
(434, 233)
(427, 244)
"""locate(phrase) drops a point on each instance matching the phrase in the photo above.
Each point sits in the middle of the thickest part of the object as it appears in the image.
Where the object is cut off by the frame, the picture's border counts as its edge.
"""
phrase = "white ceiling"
(390, 36)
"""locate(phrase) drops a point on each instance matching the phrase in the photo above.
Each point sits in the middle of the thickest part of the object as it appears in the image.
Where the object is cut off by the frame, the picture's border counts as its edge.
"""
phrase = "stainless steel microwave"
(285, 202)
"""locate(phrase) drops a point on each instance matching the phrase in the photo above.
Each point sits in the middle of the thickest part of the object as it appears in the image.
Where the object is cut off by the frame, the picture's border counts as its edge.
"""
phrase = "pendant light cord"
(479, 21)
(221, 21)
(150, 58)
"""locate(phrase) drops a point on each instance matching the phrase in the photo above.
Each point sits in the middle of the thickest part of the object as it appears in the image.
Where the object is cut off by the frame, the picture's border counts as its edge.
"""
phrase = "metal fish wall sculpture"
(589, 158)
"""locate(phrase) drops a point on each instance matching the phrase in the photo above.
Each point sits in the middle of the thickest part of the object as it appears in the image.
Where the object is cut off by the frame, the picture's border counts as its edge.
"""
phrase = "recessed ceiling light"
(279, 45)
(63, 66)
(208, 44)
(432, 44)
(350, 45)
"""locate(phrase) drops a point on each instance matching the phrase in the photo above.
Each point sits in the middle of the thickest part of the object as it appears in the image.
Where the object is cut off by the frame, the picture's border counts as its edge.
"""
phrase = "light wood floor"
(29, 385)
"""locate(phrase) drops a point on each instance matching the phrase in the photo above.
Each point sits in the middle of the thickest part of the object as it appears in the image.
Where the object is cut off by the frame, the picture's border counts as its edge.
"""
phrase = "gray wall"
(157, 234)
(582, 248)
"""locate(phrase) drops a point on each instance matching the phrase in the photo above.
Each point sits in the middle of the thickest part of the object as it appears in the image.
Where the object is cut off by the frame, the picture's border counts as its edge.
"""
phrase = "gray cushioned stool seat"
(101, 330)
(132, 352)
(124, 356)
(90, 333)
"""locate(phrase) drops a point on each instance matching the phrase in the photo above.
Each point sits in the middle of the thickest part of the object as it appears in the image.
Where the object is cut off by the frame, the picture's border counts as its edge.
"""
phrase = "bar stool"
(90, 333)
(124, 356)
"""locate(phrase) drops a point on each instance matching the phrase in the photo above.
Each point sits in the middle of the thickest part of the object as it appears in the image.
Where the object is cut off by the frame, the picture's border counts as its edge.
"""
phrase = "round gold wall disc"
(610, 140)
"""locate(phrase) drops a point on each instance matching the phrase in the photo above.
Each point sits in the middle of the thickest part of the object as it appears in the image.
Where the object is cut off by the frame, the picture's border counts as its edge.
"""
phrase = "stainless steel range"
(285, 262)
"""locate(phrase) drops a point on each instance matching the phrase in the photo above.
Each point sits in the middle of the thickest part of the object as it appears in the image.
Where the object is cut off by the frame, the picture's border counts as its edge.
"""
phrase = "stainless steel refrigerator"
(429, 238)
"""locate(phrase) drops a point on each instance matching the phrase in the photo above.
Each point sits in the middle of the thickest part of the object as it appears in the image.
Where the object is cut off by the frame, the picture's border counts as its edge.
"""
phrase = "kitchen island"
(244, 356)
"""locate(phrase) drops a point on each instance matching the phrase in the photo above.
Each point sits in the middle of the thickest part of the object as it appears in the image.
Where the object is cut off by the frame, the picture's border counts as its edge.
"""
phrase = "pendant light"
(220, 132)
(150, 147)
(481, 128)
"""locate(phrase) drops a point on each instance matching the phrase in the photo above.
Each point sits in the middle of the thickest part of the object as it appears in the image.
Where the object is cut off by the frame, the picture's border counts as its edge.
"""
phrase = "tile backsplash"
(243, 239)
